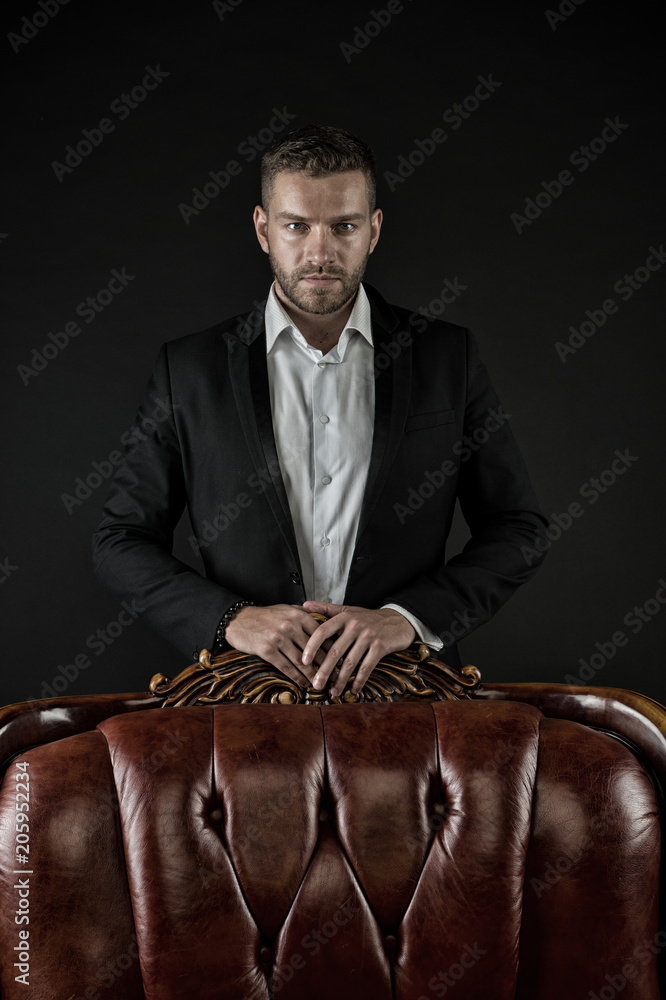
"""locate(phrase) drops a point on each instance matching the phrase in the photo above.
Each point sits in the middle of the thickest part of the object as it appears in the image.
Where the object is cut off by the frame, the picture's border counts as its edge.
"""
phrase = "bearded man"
(319, 444)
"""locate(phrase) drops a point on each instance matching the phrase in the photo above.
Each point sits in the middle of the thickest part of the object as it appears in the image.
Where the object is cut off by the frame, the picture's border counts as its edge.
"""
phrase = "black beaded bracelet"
(220, 640)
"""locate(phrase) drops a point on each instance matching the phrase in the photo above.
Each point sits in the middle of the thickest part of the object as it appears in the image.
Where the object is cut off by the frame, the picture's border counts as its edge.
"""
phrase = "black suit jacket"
(440, 433)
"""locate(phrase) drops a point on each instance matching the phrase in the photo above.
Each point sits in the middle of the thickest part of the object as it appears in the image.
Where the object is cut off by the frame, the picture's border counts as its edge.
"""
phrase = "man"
(320, 445)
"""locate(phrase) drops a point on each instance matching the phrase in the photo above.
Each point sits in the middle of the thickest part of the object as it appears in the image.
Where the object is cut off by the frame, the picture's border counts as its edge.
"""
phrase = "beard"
(318, 301)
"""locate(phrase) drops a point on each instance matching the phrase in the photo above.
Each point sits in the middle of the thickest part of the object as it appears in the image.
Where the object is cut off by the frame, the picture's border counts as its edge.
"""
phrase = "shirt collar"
(277, 320)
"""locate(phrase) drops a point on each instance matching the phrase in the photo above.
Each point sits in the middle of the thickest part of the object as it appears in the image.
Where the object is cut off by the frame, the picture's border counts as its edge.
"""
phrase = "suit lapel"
(392, 394)
(249, 377)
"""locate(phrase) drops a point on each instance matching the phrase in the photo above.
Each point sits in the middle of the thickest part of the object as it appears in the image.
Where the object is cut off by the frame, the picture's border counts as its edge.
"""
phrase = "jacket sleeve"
(133, 543)
(508, 541)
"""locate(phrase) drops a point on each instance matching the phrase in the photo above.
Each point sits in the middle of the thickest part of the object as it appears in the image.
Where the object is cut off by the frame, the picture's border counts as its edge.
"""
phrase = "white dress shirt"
(323, 420)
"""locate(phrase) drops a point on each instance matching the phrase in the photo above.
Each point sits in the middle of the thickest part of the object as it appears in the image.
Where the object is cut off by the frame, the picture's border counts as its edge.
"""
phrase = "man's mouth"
(320, 280)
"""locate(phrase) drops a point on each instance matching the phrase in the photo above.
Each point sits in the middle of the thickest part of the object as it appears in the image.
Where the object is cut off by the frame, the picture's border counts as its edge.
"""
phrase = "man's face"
(318, 234)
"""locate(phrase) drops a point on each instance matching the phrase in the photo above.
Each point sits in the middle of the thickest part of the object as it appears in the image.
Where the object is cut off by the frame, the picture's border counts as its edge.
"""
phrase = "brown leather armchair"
(501, 846)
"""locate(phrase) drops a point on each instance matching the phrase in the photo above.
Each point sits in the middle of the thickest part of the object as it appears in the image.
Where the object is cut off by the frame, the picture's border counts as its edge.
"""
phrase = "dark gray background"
(450, 219)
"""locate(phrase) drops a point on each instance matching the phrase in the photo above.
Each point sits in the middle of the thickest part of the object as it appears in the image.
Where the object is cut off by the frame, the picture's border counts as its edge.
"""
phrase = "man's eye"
(349, 227)
(290, 224)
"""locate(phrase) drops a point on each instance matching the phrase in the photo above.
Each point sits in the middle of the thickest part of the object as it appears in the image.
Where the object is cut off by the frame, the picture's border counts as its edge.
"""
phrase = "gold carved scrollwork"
(242, 677)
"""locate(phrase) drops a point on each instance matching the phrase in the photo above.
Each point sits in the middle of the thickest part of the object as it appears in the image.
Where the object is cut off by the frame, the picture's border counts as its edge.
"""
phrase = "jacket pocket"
(420, 420)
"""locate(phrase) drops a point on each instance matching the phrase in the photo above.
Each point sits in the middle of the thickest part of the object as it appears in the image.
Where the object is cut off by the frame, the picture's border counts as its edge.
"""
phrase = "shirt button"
(325, 540)
(295, 578)
(321, 364)
(325, 480)
(324, 419)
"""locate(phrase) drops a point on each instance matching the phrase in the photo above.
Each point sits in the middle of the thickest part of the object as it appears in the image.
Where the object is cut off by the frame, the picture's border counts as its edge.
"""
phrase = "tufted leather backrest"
(407, 851)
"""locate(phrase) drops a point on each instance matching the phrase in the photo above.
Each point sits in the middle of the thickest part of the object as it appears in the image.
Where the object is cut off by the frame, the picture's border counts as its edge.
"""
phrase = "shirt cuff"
(422, 631)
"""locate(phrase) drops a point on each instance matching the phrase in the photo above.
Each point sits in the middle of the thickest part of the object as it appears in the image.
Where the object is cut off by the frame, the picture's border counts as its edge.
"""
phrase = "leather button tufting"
(439, 808)
(265, 954)
(390, 941)
(323, 816)
(216, 815)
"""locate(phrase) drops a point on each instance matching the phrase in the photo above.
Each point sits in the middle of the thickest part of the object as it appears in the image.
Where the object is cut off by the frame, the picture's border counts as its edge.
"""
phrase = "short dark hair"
(318, 150)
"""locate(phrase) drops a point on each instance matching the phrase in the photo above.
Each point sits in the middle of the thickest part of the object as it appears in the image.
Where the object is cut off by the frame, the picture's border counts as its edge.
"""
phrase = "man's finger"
(325, 631)
(286, 667)
(346, 669)
(323, 608)
(290, 652)
(364, 669)
(337, 656)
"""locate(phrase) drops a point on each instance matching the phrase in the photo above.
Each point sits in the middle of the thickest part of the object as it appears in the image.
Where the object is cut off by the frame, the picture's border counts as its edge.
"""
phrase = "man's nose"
(320, 248)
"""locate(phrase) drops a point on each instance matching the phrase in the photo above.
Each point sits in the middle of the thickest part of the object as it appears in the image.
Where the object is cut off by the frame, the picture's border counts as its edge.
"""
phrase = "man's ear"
(260, 218)
(375, 227)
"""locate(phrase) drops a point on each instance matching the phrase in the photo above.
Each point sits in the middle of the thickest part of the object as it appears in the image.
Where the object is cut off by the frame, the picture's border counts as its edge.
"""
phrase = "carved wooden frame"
(243, 678)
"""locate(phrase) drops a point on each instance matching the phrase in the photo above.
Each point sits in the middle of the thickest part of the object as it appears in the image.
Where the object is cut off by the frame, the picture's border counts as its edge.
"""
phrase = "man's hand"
(363, 634)
(278, 634)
